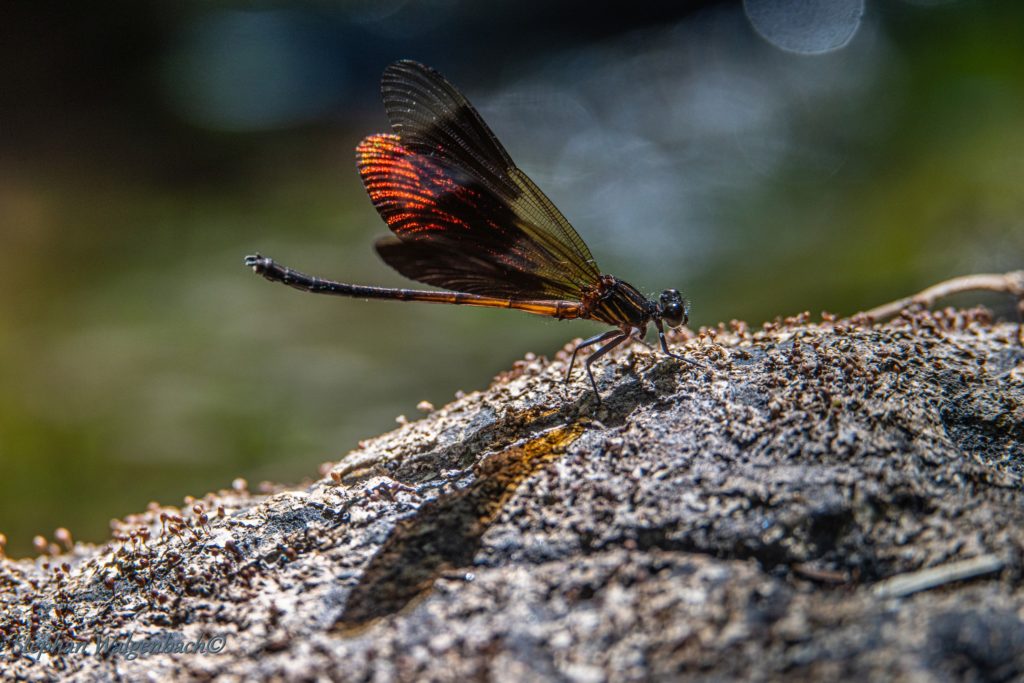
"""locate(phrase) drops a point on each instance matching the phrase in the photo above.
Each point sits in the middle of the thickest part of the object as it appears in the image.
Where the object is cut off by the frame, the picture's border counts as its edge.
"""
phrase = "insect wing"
(444, 138)
(452, 231)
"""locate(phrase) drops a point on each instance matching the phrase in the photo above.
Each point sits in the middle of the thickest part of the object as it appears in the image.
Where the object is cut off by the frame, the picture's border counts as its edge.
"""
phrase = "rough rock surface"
(824, 501)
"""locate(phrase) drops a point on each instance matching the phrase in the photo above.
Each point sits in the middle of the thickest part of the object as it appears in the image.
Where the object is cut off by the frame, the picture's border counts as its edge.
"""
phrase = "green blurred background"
(765, 158)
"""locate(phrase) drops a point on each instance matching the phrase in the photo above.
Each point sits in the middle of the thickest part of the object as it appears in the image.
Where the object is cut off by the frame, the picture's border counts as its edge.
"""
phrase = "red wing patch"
(408, 189)
(453, 230)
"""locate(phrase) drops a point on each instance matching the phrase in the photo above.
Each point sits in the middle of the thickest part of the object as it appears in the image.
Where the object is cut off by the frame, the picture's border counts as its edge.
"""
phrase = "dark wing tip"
(405, 69)
(406, 65)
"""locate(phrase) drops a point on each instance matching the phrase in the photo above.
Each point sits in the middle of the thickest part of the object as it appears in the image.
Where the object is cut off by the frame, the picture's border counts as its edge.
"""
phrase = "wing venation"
(441, 211)
(443, 177)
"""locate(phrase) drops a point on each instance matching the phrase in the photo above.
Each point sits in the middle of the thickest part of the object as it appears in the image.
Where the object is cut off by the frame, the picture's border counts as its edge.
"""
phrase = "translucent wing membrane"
(432, 117)
(453, 232)
(450, 191)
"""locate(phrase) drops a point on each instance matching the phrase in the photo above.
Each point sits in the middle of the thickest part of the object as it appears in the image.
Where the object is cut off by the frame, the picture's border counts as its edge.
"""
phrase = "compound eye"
(673, 308)
(673, 314)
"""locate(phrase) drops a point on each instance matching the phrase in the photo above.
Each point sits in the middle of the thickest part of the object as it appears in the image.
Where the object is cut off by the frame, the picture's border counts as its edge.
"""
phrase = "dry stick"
(1012, 283)
(906, 584)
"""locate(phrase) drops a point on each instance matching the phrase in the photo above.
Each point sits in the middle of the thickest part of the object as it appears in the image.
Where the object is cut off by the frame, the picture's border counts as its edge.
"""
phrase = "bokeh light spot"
(808, 27)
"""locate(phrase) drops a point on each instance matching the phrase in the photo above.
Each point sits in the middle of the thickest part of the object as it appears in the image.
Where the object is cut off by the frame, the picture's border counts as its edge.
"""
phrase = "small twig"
(813, 573)
(1012, 283)
(933, 577)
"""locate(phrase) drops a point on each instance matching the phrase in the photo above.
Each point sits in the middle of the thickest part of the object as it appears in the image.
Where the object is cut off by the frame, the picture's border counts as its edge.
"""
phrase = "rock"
(740, 522)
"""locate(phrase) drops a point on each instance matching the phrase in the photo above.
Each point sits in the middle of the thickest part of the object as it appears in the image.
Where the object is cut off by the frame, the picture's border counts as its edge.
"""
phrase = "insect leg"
(664, 347)
(597, 339)
(622, 336)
